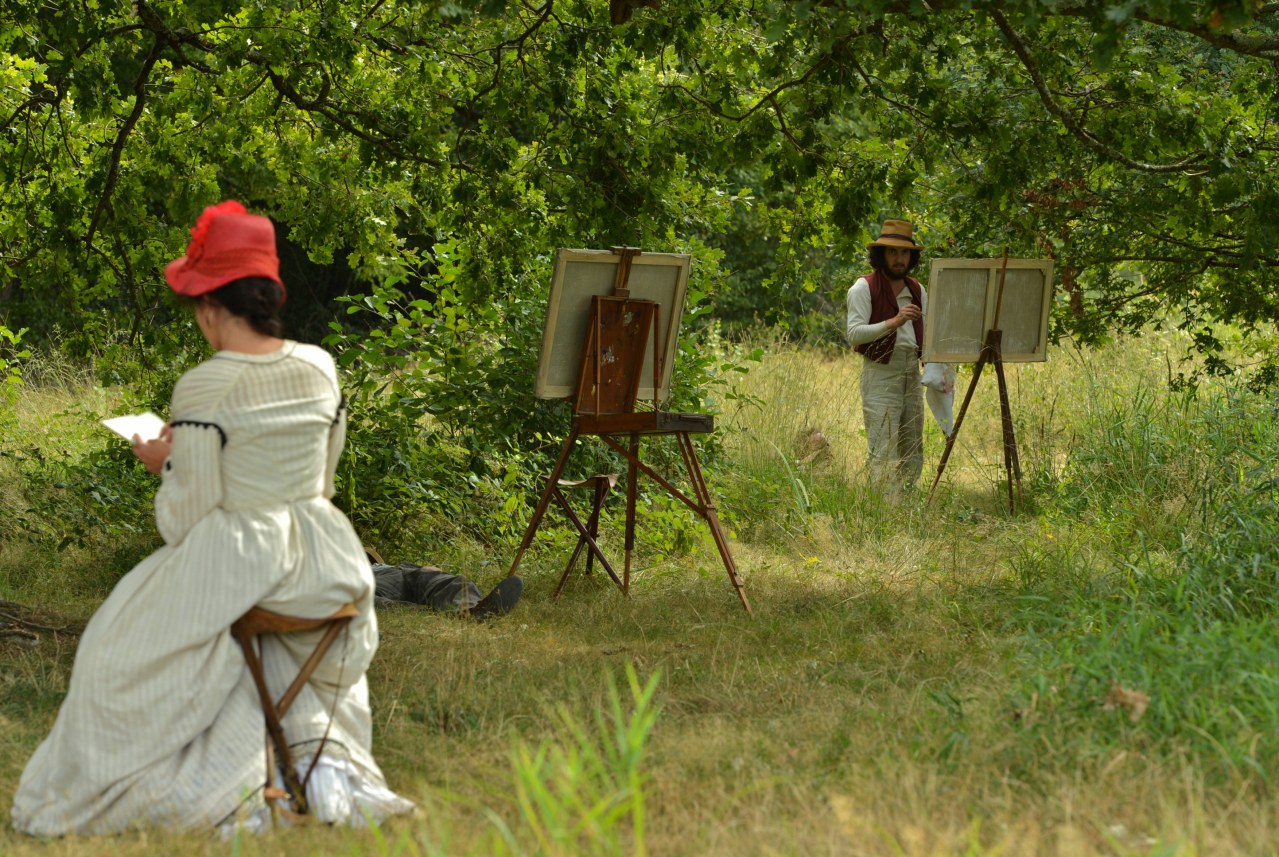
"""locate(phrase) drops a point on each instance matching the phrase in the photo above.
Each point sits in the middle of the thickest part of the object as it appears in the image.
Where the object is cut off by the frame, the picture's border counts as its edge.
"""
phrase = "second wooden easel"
(992, 353)
(605, 405)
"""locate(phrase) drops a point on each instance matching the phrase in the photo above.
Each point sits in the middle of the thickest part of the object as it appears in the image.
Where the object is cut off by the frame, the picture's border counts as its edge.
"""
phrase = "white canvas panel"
(964, 302)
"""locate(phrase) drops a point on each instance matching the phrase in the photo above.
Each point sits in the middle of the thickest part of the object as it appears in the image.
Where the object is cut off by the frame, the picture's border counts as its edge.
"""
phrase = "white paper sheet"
(145, 425)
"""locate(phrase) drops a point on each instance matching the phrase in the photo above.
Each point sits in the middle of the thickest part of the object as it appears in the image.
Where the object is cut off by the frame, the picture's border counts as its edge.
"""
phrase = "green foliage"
(1133, 143)
(1142, 460)
(435, 404)
(581, 792)
(778, 501)
(1128, 673)
(10, 359)
(94, 500)
(1232, 569)
(585, 793)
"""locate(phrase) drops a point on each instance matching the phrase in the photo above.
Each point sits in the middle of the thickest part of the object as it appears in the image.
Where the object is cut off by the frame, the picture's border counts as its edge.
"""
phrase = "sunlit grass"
(882, 700)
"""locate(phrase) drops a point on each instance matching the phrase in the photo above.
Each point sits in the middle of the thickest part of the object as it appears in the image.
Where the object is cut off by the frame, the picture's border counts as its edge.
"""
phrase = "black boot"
(499, 601)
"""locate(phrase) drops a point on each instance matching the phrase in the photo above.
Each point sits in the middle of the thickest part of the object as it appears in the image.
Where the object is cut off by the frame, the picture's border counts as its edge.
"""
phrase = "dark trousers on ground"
(432, 587)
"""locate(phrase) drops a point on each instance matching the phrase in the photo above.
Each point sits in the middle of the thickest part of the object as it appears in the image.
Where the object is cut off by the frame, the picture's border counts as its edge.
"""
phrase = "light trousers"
(893, 410)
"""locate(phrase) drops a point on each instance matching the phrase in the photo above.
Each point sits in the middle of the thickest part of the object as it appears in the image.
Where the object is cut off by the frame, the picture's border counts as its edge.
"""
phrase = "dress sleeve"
(191, 479)
(337, 439)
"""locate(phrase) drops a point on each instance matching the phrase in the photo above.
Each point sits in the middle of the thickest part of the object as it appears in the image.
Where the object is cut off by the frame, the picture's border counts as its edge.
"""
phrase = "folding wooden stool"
(587, 533)
(253, 624)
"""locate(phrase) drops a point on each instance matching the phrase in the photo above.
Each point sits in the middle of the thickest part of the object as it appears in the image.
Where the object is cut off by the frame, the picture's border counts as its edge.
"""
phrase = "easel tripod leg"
(703, 495)
(547, 493)
(577, 550)
(959, 420)
(1012, 465)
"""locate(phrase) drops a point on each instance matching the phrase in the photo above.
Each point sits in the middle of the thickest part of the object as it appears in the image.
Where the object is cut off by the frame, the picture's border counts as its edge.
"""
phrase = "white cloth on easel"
(939, 383)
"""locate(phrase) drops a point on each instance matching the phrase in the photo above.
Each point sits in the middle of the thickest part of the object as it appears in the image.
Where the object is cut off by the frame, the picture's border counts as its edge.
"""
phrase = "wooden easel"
(991, 352)
(619, 331)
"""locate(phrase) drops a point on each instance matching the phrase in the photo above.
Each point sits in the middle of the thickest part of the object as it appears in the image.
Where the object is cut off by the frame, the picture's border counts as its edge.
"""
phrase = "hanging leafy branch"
(1191, 165)
(778, 132)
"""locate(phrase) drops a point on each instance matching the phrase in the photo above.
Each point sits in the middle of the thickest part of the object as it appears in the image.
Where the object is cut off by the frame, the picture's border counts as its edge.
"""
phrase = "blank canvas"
(963, 298)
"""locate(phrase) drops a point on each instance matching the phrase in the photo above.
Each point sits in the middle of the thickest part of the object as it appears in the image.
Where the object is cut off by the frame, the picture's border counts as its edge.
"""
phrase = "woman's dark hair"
(876, 257)
(256, 300)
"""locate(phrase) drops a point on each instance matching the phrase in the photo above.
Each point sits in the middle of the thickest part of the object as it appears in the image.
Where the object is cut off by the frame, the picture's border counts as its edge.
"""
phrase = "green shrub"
(10, 359)
(1166, 653)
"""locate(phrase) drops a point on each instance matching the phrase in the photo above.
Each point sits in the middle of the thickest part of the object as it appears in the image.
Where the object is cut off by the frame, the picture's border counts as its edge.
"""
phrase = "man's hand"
(905, 316)
(152, 453)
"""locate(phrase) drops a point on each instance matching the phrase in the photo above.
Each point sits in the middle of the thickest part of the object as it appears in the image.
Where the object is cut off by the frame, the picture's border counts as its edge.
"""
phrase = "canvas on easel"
(988, 312)
(613, 320)
(962, 298)
(581, 275)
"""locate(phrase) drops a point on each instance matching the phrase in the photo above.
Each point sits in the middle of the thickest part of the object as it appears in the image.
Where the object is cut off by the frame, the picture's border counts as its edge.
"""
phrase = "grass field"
(1095, 674)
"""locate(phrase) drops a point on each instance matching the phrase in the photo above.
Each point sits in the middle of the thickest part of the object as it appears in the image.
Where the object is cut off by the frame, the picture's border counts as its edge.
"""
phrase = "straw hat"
(227, 243)
(896, 233)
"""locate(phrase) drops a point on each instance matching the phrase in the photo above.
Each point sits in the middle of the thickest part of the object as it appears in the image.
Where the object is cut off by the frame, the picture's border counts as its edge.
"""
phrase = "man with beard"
(886, 326)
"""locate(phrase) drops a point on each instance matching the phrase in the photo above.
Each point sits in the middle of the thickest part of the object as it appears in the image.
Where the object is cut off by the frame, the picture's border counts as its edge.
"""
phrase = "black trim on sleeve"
(341, 408)
(199, 424)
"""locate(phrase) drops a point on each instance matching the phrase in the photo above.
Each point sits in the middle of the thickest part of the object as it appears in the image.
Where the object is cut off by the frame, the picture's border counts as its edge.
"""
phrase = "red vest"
(883, 306)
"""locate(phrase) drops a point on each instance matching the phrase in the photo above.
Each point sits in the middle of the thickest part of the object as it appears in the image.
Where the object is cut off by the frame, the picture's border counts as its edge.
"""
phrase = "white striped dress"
(161, 723)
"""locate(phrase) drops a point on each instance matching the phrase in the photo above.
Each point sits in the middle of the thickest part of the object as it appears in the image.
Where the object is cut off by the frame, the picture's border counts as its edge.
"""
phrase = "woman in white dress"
(161, 724)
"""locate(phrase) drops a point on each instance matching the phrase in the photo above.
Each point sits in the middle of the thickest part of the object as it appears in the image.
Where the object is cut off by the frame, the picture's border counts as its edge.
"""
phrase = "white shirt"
(860, 331)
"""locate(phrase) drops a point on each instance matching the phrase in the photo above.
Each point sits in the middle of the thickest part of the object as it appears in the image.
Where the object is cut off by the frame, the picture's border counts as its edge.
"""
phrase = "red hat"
(227, 243)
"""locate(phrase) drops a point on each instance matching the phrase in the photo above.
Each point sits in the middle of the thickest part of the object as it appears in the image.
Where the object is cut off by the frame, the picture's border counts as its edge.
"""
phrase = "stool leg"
(581, 537)
(632, 486)
(304, 673)
(273, 726)
(584, 537)
(593, 525)
(271, 793)
(563, 501)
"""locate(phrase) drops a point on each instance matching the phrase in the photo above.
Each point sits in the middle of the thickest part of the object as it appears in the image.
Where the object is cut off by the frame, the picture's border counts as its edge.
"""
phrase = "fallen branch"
(14, 623)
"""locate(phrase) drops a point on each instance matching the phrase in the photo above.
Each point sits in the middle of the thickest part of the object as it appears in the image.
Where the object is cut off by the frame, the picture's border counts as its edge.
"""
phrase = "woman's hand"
(152, 453)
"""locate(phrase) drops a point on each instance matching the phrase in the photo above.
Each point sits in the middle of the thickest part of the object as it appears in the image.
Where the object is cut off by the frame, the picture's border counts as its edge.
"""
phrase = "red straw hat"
(227, 243)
